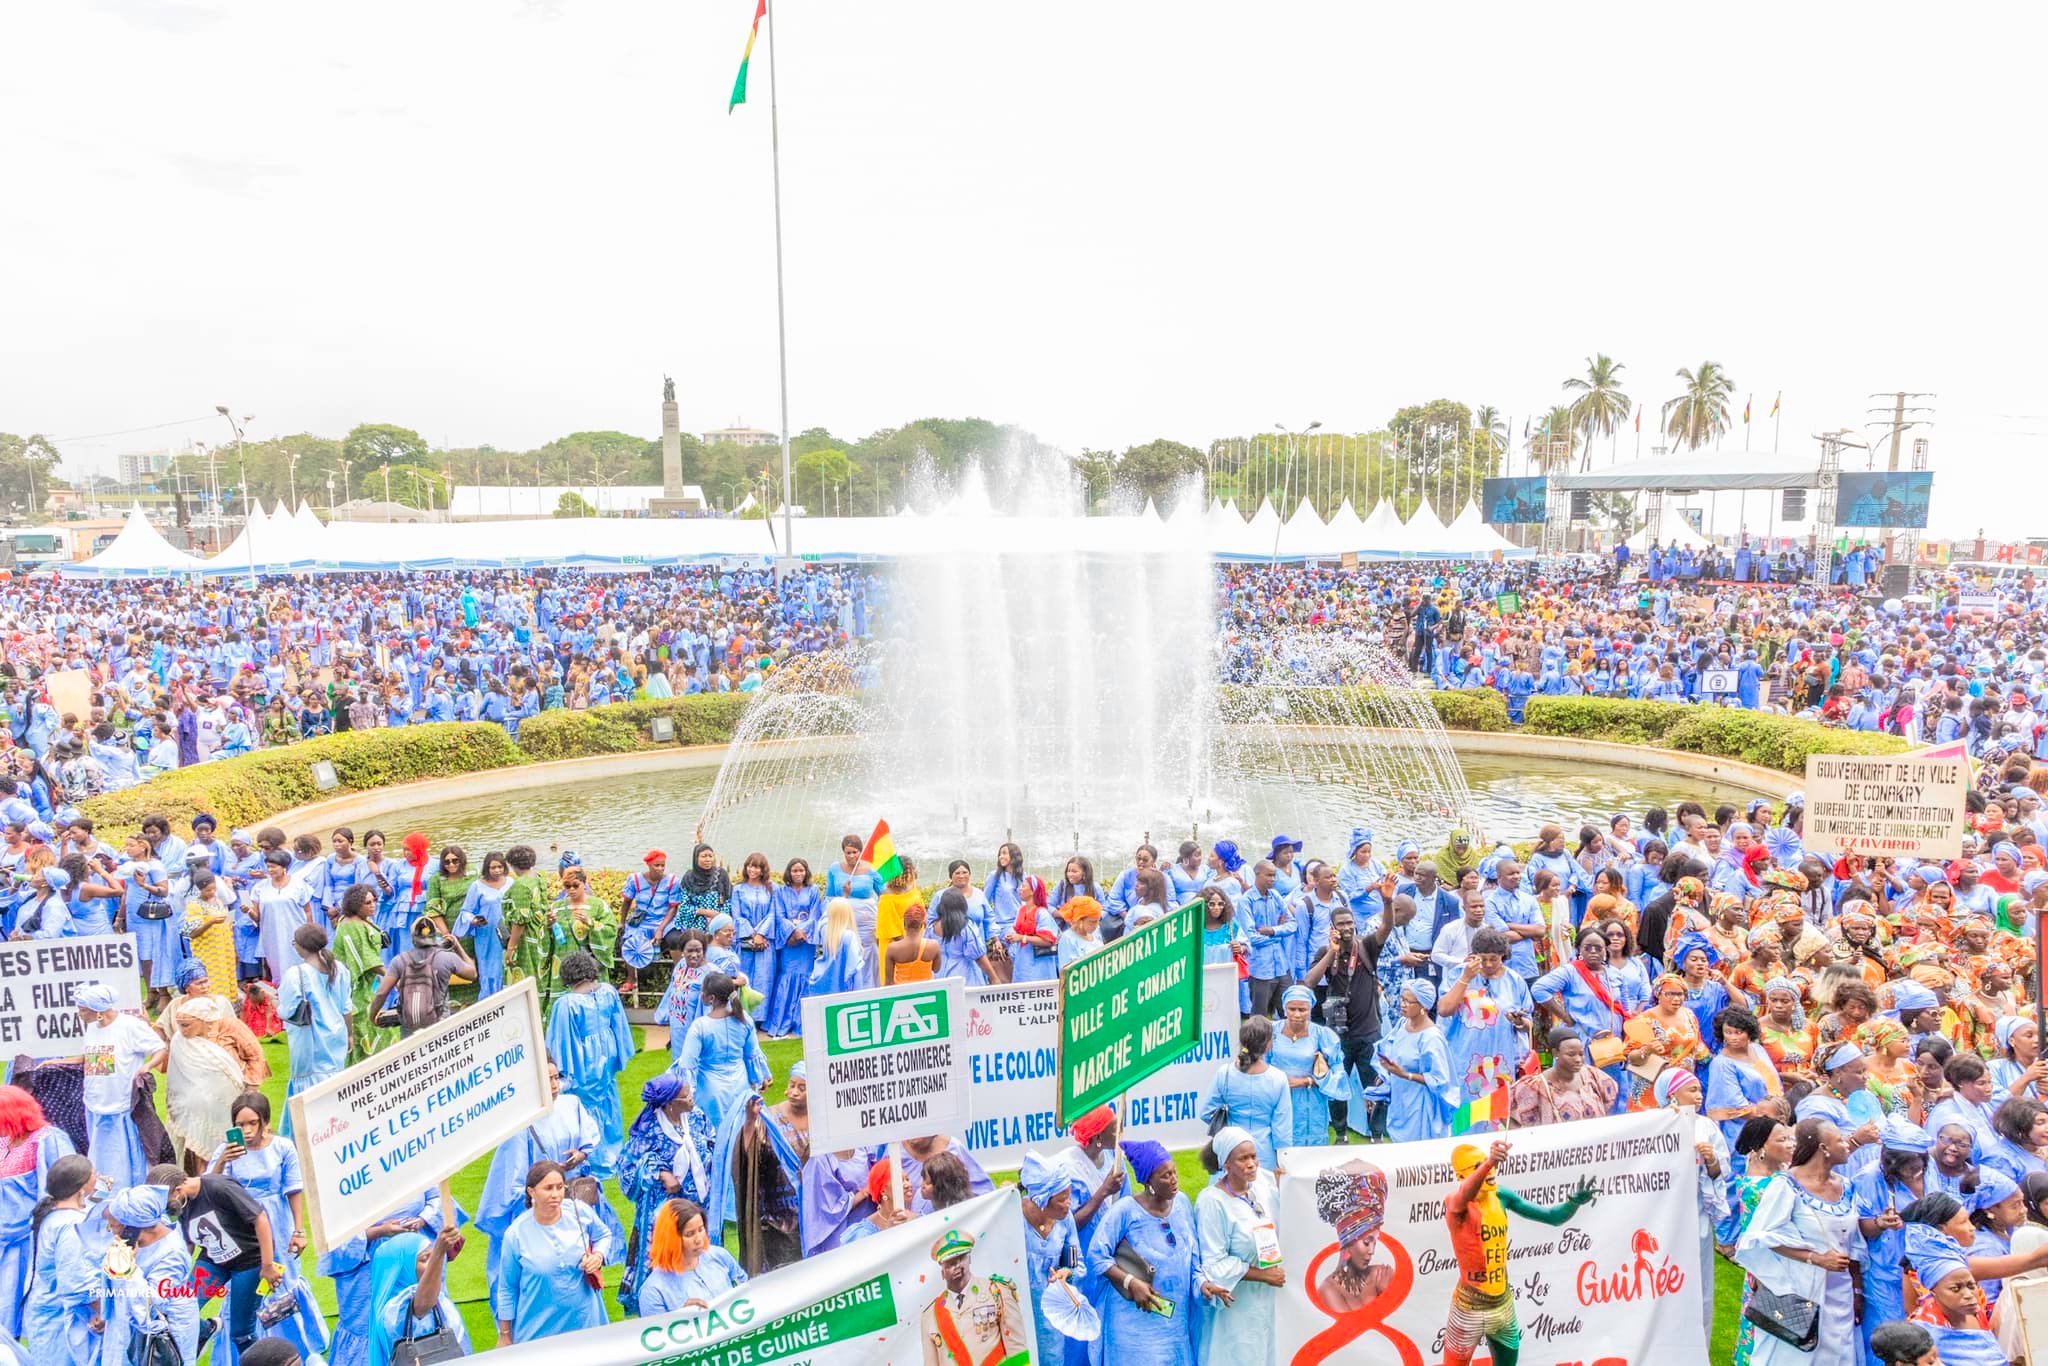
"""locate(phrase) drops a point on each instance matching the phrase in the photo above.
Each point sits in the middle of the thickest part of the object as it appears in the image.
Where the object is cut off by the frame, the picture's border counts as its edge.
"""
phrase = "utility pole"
(1898, 420)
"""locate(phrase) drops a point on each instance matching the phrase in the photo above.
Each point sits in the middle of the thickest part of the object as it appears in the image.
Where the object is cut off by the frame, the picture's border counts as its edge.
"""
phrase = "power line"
(131, 431)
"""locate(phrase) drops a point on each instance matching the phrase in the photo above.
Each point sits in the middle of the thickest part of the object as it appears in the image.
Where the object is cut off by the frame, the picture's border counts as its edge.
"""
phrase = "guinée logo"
(977, 1027)
(1646, 1275)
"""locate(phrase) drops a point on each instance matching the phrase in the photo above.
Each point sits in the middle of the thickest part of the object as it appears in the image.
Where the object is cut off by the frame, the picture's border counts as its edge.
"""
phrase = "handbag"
(1219, 1121)
(439, 1345)
(279, 1305)
(155, 908)
(1791, 1319)
(153, 1347)
(302, 1013)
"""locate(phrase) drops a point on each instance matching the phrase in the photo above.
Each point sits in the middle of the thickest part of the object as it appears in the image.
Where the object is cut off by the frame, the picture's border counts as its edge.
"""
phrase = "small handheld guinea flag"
(1490, 1108)
(881, 853)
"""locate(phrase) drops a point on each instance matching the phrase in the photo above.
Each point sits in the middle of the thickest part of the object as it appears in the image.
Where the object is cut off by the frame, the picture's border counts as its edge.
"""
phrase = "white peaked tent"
(1469, 532)
(1347, 529)
(139, 551)
(1424, 532)
(1674, 531)
(1383, 527)
(1254, 540)
(1306, 534)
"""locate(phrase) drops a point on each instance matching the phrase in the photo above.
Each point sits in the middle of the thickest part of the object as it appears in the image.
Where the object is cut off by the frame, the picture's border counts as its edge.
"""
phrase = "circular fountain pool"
(612, 821)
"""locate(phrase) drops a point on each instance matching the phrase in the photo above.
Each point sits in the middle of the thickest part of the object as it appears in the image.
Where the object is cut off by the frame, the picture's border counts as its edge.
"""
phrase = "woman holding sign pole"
(1147, 1247)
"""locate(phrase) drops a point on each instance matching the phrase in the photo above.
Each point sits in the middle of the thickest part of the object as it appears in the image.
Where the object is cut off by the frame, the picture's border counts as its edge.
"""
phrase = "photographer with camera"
(420, 977)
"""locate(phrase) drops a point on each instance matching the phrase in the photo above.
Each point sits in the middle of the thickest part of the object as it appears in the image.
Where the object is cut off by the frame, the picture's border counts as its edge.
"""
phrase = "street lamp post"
(1287, 478)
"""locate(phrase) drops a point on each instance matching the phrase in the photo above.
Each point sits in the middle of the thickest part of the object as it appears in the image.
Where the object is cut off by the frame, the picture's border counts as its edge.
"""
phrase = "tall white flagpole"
(781, 327)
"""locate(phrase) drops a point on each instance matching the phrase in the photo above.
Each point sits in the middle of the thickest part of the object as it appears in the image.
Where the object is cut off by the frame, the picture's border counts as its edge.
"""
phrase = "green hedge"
(1754, 737)
(621, 727)
(250, 788)
(1473, 709)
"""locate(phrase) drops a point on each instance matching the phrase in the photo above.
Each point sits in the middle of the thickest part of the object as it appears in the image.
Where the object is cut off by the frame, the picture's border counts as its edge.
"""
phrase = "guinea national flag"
(1489, 1108)
(739, 85)
(881, 853)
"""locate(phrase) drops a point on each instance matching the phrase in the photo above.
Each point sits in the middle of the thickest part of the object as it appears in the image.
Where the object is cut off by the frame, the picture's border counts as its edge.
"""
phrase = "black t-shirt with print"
(220, 1223)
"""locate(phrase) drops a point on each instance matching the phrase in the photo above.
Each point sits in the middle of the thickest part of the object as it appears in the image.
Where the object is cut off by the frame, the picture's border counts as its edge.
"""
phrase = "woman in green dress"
(525, 916)
(359, 945)
(448, 886)
(1765, 1146)
(584, 922)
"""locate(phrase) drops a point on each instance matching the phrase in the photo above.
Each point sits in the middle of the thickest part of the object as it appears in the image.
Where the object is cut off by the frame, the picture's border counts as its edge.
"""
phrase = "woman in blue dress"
(962, 952)
(316, 988)
(684, 1268)
(1417, 1064)
(1311, 1058)
(406, 901)
(158, 942)
(853, 878)
(1159, 1224)
(567, 1135)
(1894, 1181)
(591, 1043)
(668, 1154)
(1484, 1014)
(1224, 941)
(1052, 1248)
(352, 1268)
(753, 913)
(34, 1147)
(64, 1291)
(153, 1297)
(798, 916)
(1253, 1092)
(268, 1169)
(647, 906)
(840, 964)
(552, 1254)
(721, 1058)
(1742, 1081)
(481, 919)
(408, 1289)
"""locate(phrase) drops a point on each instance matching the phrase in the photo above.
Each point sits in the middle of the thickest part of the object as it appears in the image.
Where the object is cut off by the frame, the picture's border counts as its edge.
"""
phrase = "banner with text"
(1013, 1054)
(1618, 1282)
(38, 1017)
(388, 1128)
(1896, 806)
(886, 1064)
(948, 1287)
(1129, 1009)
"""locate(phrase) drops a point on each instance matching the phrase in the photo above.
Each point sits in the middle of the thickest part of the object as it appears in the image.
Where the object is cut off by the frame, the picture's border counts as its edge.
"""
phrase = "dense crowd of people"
(1850, 1039)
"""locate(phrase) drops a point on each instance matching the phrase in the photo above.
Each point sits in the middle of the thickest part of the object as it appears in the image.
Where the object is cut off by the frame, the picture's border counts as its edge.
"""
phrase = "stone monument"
(675, 497)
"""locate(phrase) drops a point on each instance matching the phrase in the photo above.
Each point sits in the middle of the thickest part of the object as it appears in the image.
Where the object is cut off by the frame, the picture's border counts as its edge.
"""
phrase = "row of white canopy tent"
(298, 542)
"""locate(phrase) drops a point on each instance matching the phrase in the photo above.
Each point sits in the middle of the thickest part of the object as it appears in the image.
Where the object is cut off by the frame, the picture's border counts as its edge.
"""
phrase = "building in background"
(500, 502)
(742, 436)
(142, 467)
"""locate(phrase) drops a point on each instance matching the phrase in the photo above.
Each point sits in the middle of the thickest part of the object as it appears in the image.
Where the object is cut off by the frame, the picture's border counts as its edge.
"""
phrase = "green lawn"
(466, 1277)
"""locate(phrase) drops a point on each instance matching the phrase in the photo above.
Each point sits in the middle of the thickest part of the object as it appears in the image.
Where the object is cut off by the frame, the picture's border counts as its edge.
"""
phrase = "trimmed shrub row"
(1762, 738)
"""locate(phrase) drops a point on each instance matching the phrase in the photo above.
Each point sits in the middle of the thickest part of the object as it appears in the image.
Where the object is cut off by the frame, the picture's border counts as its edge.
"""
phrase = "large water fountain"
(1033, 686)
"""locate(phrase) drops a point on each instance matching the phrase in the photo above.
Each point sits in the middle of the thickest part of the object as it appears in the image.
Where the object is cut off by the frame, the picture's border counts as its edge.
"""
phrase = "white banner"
(1618, 1282)
(1899, 805)
(886, 1064)
(38, 1016)
(868, 1303)
(418, 1112)
(1013, 1059)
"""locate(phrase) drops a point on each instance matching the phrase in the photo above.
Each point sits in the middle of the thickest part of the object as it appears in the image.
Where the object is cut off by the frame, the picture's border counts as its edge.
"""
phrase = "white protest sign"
(874, 1301)
(38, 977)
(1895, 805)
(70, 693)
(420, 1111)
(1616, 1280)
(1013, 1063)
(886, 1064)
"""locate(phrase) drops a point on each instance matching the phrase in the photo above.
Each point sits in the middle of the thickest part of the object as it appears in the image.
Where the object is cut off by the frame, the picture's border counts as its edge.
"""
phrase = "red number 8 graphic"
(1357, 1323)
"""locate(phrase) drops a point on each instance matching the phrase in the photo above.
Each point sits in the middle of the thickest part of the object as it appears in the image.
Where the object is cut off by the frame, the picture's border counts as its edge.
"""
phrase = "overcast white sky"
(502, 220)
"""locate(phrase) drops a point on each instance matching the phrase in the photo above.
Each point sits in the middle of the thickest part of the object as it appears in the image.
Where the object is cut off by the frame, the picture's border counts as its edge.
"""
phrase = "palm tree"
(1551, 447)
(1601, 405)
(1700, 413)
(1491, 431)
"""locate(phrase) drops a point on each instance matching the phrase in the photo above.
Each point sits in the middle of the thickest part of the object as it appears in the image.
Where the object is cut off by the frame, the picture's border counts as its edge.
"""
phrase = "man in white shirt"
(1454, 941)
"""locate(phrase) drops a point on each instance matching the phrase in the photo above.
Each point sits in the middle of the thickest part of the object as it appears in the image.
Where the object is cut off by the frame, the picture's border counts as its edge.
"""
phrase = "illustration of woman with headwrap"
(1352, 1199)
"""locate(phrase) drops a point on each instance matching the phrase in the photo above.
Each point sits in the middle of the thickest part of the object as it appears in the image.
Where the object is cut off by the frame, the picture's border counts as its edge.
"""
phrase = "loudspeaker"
(1582, 505)
(1897, 580)
(1792, 505)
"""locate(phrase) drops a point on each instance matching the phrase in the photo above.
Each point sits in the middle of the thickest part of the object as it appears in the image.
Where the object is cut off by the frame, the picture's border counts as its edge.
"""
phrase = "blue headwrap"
(1689, 941)
(570, 859)
(1993, 1186)
(1298, 993)
(721, 921)
(1145, 1157)
(94, 996)
(141, 1207)
(661, 1088)
(1423, 991)
(394, 1269)
(1040, 1180)
(190, 971)
(1934, 1254)
(1908, 994)
(1360, 834)
(1405, 848)
(1227, 855)
(796, 1069)
(2006, 1027)
(1904, 1136)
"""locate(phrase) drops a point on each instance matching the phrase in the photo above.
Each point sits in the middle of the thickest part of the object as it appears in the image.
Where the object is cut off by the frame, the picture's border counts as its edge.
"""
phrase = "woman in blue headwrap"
(1252, 1093)
(1893, 1182)
(352, 1268)
(668, 1154)
(1156, 1225)
(756, 1171)
(1312, 1060)
(1052, 1247)
(1227, 870)
(1417, 1064)
(1362, 873)
(568, 1134)
(1240, 1252)
(267, 1167)
(120, 1051)
(1694, 959)
(2018, 1068)
(408, 1293)
(63, 1294)
(1952, 1305)
(153, 1295)
(589, 1039)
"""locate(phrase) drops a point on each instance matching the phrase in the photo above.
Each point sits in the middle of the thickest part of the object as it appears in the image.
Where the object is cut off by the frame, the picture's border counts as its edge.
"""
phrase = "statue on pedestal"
(668, 389)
